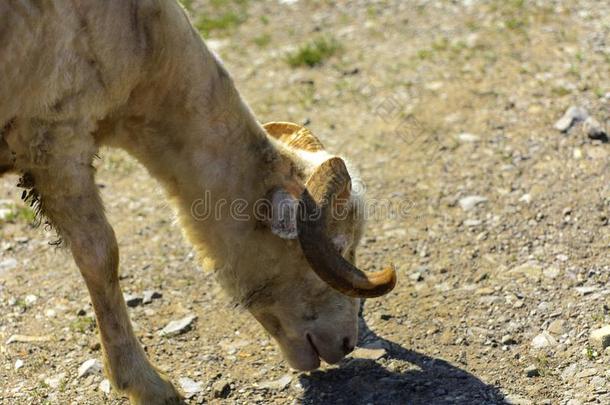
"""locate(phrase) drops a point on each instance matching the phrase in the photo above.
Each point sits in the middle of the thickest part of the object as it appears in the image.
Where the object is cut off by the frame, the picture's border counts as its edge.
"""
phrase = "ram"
(77, 75)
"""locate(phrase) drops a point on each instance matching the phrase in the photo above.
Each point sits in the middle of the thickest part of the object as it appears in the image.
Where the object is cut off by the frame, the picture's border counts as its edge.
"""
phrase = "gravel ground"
(500, 229)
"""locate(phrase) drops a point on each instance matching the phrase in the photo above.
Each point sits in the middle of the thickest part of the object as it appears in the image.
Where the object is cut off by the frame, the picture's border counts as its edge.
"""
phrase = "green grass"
(225, 21)
(262, 40)
(18, 213)
(83, 324)
(313, 53)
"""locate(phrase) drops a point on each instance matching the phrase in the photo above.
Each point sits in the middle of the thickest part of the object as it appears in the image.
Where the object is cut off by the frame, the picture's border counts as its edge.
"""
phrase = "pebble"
(91, 366)
(178, 327)
(277, 385)
(105, 386)
(532, 371)
(221, 389)
(368, 353)
(572, 115)
(30, 299)
(468, 203)
(18, 364)
(7, 264)
(594, 129)
(551, 272)
(132, 300)
(586, 290)
(600, 338)
(467, 137)
(508, 340)
(149, 296)
(557, 327)
(189, 387)
(27, 339)
(530, 270)
(543, 340)
(55, 381)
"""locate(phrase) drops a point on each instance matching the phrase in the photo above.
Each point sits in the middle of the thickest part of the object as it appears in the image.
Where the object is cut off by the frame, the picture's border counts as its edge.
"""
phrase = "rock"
(508, 340)
(221, 389)
(368, 353)
(543, 340)
(526, 198)
(586, 373)
(55, 381)
(91, 366)
(189, 387)
(557, 327)
(178, 327)
(233, 346)
(468, 203)
(27, 339)
(600, 338)
(467, 137)
(472, 222)
(131, 300)
(7, 264)
(18, 364)
(598, 382)
(551, 272)
(105, 386)
(276, 385)
(586, 290)
(30, 300)
(532, 371)
(530, 270)
(570, 117)
(149, 296)
(594, 129)
(569, 372)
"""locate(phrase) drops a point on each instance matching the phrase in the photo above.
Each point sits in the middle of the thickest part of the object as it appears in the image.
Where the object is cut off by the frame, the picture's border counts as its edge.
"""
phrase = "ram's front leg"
(63, 181)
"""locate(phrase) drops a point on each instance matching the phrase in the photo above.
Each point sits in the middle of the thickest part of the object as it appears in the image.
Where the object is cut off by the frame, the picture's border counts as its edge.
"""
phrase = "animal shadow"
(426, 380)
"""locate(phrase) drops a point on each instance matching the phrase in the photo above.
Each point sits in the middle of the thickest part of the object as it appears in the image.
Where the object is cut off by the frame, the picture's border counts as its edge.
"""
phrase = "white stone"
(543, 340)
(91, 366)
(8, 264)
(30, 300)
(178, 327)
(468, 203)
(570, 117)
(18, 364)
(189, 387)
(55, 381)
(105, 386)
(468, 137)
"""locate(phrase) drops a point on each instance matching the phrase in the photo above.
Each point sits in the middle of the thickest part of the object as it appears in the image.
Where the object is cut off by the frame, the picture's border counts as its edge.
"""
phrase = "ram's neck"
(209, 152)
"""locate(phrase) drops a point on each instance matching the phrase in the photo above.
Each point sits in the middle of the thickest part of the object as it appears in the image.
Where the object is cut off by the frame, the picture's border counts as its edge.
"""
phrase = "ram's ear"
(282, 215)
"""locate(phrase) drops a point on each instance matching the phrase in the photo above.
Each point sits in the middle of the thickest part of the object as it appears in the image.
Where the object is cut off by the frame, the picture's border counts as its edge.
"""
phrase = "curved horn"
(329, 179)
(294, 136)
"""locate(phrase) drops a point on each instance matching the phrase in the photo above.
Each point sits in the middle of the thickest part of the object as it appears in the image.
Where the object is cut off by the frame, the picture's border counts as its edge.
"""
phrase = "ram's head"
(310, 304)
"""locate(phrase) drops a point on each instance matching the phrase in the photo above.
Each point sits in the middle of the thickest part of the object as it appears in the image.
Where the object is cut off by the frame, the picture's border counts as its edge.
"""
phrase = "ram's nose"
(331, 350)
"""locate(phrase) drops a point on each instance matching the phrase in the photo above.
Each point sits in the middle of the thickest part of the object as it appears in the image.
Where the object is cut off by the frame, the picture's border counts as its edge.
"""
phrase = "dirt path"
(448, 109)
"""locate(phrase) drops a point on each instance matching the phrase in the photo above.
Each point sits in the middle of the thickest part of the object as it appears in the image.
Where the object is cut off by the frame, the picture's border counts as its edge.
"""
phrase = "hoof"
(161, 392)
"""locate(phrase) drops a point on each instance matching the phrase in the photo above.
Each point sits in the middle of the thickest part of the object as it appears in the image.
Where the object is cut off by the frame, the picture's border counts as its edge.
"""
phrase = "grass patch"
(15, 213)
(313, 53)
(262, 40)
(225, 21)
(83, 324)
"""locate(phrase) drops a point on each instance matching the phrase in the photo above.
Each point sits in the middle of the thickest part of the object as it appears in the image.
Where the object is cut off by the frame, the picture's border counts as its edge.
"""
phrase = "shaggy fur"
(134, 74)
